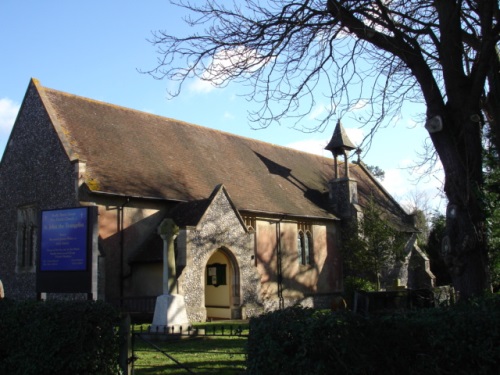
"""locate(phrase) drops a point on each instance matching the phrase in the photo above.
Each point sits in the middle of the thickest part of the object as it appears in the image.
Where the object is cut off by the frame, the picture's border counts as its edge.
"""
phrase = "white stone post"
(170, 309)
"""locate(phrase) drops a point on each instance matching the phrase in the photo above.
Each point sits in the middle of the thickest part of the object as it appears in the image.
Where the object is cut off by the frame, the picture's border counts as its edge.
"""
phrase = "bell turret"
(343, 190)
(340, 144)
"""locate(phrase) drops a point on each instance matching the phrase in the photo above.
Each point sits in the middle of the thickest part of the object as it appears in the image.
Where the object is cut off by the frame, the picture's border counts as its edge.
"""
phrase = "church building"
(234, 225)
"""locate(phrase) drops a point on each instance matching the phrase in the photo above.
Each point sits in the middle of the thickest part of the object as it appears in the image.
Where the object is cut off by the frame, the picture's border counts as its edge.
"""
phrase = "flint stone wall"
(220, 228)
(45, 178)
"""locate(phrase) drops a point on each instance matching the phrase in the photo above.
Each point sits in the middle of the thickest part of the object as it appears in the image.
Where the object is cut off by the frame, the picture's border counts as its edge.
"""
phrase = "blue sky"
(95, 49)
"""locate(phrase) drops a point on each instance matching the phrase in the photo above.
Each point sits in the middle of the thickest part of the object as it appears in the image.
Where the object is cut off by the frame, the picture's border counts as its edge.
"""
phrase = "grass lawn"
(215, 353)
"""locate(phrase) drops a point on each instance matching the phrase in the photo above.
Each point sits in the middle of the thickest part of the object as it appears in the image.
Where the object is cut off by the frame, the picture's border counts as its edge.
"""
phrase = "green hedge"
(58, 337)
(463, 339)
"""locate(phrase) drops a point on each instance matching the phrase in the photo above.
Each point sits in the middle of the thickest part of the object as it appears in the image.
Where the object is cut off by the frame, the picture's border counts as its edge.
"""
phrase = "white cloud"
(355, 135)
(312, 146)
(228, 116)
(319, 109)
(401, 182)
(317, 146)
(225, 64)
(395, 182)
(8, 113)
(404, 184)
(411, 123)
(359, 105)
(201, 86)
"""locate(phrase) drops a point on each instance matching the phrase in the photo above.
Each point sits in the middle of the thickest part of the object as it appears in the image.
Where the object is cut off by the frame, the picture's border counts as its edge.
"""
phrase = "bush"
(58, 337)
(353, 284)
(462, 339)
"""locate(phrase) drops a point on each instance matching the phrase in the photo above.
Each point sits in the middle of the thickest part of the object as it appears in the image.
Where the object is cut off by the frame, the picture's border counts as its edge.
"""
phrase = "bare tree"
(443, 53)
(417, 203)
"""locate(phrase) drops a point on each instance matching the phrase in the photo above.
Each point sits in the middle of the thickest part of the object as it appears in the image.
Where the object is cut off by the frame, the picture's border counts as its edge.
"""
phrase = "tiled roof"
(133, 153)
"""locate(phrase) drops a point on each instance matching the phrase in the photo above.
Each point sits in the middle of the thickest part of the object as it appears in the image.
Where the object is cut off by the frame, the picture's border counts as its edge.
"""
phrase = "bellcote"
(340, 144)
(343, 191)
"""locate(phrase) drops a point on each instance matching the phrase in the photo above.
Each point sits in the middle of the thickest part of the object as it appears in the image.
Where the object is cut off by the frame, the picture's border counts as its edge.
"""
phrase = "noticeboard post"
(67, 256)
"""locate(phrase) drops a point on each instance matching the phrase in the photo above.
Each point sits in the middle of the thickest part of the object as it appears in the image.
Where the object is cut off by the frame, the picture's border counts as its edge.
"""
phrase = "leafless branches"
(379, 54)
(293, 55)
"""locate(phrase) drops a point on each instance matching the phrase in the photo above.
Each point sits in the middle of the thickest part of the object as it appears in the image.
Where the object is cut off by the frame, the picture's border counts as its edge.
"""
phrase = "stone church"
(234, 225)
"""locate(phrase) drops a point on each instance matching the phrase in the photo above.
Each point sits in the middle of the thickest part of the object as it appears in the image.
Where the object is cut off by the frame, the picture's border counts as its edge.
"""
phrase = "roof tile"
(133, 153)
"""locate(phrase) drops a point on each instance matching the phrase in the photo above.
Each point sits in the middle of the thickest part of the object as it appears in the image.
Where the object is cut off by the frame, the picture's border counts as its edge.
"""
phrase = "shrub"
(353, 284)
(58, 337)
(462, 339)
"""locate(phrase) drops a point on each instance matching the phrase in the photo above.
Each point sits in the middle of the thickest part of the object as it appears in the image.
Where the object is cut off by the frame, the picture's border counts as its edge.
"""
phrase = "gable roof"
(133, 153)
(192, 212)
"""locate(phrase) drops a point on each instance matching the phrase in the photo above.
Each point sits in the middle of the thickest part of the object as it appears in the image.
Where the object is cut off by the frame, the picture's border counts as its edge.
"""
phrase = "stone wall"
(220, 228)
(412, 272)
(34, 171)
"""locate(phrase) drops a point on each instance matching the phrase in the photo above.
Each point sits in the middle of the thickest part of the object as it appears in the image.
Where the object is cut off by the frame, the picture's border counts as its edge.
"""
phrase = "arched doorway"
(222, 286)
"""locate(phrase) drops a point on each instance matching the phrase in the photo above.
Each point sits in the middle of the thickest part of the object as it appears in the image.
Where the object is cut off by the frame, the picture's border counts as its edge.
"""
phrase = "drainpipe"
(121, 220)
(279, 270)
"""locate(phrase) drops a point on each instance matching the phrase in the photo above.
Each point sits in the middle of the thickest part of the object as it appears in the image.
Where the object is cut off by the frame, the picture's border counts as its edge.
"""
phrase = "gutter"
(291, 216)
(283, 215)
(96, 192)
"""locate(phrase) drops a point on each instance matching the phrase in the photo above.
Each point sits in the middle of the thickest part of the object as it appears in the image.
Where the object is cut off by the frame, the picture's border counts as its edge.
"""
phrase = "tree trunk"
(464, 251)
(464, 246)
(492, 101)
(458, 143)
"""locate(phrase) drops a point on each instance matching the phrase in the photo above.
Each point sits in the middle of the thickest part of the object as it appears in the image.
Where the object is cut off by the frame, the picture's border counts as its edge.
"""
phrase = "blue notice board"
(64, 240)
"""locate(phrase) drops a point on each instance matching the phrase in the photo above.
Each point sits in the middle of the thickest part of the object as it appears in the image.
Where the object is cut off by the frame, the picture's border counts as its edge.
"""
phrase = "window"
(300, 246)
(216, 274)
(304, 244)
(308, 245)
(27, 238)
